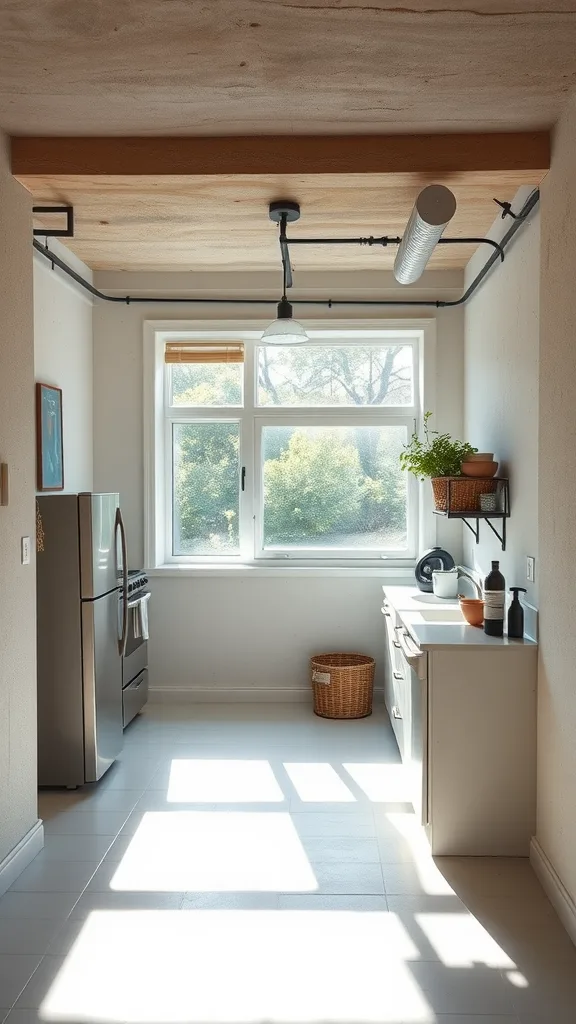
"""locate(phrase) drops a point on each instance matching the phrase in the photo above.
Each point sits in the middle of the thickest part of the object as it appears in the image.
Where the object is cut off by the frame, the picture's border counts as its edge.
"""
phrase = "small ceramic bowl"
(472, 609)
(486, 469)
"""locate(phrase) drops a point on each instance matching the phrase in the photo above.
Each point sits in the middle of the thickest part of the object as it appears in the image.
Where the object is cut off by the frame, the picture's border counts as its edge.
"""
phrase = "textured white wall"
(18, 803)
(233, 633)
(63, 357)
(222, 635)
(502, 336)
(557, 508)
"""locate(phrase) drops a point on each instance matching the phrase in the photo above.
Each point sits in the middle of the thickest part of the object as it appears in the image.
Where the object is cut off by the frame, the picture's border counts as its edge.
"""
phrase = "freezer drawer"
(102, 671)
(134, 697)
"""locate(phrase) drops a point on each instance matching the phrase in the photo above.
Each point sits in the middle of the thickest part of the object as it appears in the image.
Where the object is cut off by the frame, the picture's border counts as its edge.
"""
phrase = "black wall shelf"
(468, 518)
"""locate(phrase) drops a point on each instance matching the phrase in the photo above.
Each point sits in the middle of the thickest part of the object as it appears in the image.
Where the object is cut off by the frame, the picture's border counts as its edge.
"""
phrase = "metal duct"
(432, 211)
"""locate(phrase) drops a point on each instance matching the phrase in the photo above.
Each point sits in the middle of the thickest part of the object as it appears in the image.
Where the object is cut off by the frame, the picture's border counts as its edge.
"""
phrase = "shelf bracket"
(501, 537)
(476, 531)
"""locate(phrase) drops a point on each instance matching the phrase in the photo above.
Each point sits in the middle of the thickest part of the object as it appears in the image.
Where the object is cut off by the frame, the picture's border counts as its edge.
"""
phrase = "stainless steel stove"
(135, 660)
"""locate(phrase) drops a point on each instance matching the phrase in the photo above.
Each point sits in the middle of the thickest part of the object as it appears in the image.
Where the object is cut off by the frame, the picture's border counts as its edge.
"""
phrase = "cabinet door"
(418, 760)
(391, 656)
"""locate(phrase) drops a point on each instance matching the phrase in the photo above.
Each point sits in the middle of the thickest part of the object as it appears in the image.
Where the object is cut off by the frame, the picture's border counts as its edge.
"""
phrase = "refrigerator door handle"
(119, 528)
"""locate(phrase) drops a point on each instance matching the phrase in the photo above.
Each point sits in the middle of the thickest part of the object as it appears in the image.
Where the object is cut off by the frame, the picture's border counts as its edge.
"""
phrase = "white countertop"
(412, 605)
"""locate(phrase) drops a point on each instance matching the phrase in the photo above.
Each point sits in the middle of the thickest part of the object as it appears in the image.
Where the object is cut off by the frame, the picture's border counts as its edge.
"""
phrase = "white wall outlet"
(530, 568)
(25, 550)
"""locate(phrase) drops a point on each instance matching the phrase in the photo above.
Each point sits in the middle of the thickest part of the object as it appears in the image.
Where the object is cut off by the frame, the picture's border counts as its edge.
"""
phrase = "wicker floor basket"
(465, 492)
(342, 685)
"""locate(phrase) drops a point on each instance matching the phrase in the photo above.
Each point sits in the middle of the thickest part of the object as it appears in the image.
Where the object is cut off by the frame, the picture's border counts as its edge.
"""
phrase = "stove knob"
(145, 581)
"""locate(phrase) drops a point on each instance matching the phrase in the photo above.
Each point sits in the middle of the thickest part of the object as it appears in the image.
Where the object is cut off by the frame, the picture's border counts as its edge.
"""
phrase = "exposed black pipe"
(529, 205)
(285, 254)
(524, 213)
(384, 240)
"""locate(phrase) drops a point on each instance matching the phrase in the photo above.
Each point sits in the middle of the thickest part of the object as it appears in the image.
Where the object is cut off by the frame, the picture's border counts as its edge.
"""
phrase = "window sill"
(279, 571)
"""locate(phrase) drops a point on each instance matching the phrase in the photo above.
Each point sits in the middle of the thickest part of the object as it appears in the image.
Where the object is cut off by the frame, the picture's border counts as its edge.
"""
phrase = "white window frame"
(159, 417)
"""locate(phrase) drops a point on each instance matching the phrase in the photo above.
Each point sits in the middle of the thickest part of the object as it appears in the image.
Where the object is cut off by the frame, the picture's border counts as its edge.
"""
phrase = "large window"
(261, 453)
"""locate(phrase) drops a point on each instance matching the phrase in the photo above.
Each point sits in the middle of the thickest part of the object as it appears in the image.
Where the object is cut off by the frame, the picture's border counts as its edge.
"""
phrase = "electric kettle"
(434, 558)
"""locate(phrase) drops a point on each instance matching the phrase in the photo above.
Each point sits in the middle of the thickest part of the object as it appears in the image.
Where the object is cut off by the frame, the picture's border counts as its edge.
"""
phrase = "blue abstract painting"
(50, 457)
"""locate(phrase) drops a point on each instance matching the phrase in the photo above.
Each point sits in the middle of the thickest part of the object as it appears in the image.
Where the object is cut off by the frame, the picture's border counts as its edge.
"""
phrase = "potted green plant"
(439, 457)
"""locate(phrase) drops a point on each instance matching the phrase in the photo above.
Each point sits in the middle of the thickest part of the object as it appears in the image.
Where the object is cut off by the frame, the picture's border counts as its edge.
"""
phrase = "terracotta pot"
(472, 609)
(481, 469)
(481, 457)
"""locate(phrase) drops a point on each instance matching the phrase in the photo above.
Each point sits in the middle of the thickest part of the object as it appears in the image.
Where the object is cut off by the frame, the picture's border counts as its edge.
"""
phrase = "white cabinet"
(466, 732)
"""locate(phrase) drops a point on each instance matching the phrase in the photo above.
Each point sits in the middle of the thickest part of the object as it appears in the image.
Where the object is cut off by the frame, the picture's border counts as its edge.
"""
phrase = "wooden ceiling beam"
(284, 154)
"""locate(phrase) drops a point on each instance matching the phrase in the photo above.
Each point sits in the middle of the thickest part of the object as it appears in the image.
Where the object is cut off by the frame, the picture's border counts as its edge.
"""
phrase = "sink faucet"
(467, 575)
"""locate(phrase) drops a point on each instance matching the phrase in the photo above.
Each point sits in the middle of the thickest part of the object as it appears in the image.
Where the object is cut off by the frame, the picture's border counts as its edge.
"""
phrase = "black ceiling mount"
(283, 212)
(284, 208)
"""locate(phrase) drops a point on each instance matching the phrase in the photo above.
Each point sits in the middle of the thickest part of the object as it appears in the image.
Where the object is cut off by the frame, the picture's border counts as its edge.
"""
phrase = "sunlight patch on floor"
(215, 851)
(407, 824)
(238, 967)
(461, 941)
(318, 783)
(212, 781)
(517, 979)
(382, 783)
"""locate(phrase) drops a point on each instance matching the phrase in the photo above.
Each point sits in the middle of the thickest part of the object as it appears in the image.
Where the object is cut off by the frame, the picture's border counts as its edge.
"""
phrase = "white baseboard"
(232, 695)
(554, 888)
(21, 856)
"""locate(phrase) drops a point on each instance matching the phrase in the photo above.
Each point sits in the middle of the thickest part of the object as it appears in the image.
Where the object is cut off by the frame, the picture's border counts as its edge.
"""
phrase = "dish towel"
(140, 617)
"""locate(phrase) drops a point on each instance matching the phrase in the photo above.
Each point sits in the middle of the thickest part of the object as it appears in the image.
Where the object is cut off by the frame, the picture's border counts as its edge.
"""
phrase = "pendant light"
(284, 330)
(433, 209)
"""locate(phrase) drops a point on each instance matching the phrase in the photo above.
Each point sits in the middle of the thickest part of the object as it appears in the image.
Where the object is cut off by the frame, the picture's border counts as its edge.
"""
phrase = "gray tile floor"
(246, 864)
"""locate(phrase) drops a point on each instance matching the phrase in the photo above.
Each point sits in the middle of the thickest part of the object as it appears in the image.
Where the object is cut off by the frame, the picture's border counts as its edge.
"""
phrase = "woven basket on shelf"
(465, 492)
(342, 685)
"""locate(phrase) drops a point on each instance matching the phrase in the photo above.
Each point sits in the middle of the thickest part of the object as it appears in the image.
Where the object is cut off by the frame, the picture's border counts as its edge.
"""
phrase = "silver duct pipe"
(432, 211)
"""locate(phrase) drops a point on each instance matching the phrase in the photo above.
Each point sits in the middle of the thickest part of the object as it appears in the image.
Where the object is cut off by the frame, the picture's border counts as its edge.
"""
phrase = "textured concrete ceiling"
(279, 66)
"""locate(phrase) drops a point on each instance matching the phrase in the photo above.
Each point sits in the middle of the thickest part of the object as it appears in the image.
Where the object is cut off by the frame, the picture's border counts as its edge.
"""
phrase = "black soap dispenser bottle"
(516, 615)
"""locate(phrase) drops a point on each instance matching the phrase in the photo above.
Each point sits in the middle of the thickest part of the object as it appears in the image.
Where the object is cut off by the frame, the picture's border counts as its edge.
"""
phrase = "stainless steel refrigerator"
(82, 618)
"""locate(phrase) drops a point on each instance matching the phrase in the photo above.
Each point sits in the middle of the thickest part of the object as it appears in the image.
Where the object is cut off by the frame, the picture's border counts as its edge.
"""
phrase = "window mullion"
(247, 502)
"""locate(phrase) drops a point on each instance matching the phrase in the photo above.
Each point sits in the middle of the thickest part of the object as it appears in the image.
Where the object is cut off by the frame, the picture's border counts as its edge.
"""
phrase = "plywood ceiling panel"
(115, 67)
(221, 221)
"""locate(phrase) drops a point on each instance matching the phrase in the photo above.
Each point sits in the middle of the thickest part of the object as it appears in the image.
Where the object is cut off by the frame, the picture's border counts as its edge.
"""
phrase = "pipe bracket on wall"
(67, 232)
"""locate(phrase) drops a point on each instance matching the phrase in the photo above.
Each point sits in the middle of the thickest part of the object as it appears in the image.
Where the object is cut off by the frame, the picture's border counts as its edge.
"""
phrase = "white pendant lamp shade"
(284, 330)
(432, 211)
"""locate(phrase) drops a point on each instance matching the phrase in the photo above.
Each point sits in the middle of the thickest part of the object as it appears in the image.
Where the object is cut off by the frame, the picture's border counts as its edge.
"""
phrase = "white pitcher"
(445, 582)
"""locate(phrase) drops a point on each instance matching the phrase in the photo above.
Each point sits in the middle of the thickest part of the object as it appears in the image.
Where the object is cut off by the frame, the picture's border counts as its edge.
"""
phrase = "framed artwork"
(49, 450)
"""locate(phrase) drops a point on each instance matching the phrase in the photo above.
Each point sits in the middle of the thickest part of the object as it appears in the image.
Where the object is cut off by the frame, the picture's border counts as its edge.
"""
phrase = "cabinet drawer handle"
(396, 712)
(398, 675)
(395, 643)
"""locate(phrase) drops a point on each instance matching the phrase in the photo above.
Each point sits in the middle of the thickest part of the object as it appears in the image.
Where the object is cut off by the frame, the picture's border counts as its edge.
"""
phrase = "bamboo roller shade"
(204, 352)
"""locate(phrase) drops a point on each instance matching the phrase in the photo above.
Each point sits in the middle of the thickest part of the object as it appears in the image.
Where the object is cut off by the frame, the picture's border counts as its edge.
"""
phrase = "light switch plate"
(25, 550)
(530, 568)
